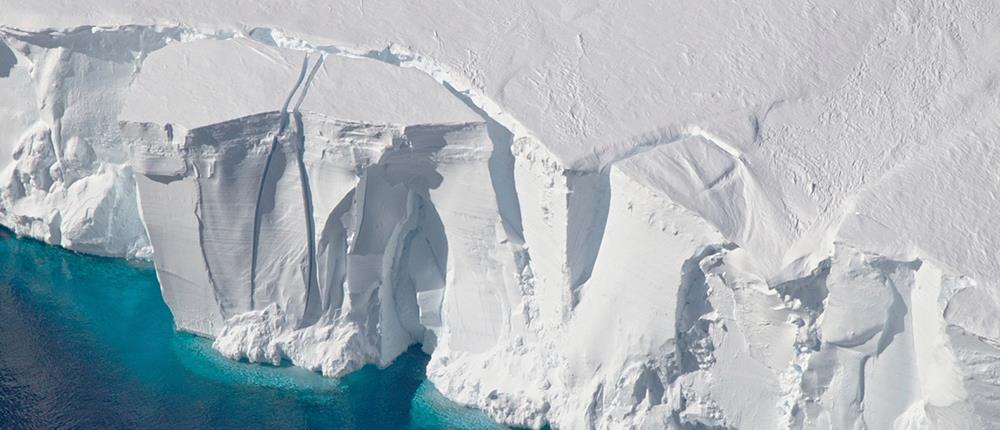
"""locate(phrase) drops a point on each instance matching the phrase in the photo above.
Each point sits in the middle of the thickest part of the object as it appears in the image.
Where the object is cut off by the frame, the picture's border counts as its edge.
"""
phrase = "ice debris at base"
(742, 244)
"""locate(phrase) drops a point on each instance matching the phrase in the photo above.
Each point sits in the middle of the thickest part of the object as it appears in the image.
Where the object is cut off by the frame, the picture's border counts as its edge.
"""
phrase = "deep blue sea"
(87, 343)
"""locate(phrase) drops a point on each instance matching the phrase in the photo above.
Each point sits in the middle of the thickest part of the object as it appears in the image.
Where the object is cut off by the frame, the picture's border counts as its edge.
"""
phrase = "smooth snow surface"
(591, 214)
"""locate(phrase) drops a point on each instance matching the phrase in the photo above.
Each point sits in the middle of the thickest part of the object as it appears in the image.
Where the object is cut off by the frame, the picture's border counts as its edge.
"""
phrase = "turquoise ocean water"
(87, 343)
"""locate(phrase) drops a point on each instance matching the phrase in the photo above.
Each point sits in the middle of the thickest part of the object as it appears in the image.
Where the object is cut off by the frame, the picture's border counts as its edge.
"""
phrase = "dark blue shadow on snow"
(7, 60)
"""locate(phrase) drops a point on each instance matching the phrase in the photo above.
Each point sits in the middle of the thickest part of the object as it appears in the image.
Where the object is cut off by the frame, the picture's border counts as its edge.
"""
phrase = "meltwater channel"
(87, 342)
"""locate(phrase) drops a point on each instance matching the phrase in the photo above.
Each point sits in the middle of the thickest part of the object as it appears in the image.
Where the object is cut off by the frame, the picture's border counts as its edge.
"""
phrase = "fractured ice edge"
(376, 206)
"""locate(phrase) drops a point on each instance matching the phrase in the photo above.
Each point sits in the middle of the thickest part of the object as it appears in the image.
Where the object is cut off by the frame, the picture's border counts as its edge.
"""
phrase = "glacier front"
(590, 215)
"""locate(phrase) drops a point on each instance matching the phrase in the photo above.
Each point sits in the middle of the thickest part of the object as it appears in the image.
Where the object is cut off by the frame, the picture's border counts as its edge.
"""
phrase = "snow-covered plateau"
(591, 214)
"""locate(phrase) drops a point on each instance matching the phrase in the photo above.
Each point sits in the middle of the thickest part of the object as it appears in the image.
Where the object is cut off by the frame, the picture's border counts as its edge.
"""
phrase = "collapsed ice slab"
(65, 177)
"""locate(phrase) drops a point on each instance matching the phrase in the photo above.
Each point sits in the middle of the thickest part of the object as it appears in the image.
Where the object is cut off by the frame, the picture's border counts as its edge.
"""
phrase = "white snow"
(590, 214)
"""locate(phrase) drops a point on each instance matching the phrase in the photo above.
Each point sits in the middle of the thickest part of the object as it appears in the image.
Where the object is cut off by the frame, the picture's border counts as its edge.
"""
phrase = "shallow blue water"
(87, 342)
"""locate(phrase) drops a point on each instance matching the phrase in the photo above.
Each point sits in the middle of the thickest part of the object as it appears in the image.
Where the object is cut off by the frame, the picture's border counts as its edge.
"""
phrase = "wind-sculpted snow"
(668, 226)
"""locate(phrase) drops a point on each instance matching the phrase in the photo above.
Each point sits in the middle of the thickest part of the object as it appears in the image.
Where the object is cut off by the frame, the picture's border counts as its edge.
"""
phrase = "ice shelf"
(767, 216)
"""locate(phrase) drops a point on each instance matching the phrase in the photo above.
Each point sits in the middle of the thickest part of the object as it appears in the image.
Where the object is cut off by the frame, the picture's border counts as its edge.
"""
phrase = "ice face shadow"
(7, 60)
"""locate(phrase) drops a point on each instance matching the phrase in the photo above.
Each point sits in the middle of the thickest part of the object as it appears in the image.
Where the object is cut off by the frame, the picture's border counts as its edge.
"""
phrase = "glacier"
(590, 215)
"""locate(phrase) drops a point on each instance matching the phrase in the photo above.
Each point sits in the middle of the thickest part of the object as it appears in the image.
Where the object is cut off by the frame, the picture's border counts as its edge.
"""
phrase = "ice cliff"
(591, 216)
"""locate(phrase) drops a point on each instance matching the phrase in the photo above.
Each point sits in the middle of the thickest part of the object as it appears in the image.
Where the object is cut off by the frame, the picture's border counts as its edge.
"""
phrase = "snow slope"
(591, 214)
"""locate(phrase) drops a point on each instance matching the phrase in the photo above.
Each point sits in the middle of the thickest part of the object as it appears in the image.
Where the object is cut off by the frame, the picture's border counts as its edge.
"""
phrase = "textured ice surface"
(771, 215)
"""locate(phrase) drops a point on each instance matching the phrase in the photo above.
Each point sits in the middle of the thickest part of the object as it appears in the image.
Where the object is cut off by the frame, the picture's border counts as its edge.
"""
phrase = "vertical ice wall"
(328, 242)
(652, 291)
(364, 260)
